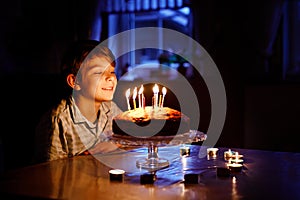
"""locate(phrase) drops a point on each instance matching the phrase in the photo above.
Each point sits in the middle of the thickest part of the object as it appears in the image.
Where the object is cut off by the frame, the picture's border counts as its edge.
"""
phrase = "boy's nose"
(110, 77)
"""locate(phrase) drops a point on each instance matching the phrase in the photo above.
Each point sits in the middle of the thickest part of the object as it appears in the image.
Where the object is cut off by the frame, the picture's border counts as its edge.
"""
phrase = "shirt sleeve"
(49, 139)
(58, 147)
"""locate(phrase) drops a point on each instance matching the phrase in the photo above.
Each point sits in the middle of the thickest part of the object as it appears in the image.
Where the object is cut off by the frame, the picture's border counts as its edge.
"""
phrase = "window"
(125, 15)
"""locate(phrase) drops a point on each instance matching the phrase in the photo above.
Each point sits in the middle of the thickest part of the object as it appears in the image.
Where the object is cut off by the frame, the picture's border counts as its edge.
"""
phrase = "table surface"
(265, 175)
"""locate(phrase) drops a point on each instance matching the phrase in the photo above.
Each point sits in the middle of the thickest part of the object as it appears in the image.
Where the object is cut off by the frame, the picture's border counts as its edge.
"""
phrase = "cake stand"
(153, 162)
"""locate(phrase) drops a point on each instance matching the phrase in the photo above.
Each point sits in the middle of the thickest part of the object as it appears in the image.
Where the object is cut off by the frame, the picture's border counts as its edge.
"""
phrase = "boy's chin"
(107, 99)
(103, 99)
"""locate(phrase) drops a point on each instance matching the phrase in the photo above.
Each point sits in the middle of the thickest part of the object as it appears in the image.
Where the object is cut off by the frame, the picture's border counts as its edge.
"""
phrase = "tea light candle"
(185, 151)
(191, 178)
(223, 172)
(228, 154)
(236, 160)
(235, 167)
(232, 155)
(147, 178)
(116, 174)
(212, 152)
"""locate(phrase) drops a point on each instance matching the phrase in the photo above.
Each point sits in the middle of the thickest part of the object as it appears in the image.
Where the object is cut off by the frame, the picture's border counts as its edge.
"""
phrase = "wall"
(272, 117)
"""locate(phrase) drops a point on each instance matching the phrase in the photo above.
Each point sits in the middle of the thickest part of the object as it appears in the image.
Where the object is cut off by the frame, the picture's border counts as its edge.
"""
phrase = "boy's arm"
(48, 139)
(58, 145)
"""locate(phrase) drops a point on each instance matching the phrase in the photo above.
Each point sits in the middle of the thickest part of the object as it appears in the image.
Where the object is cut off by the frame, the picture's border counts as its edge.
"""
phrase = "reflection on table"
(265, 175)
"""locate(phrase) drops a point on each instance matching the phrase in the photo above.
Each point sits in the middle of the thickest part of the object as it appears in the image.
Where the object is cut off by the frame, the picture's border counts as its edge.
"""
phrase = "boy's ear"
(72, 82)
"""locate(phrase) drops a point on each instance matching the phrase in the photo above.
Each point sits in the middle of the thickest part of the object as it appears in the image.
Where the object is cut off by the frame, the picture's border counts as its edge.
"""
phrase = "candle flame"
(155, 88)
(134, 93)
(164, 91)
(127, 93)
(141, 89)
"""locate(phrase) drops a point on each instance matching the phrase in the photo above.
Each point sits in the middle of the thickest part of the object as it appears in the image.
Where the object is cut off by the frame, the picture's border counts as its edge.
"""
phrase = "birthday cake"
(148, 122)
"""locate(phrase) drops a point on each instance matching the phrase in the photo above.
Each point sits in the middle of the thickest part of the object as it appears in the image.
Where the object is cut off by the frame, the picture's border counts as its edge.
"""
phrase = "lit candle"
(134, 97)
(212, 152)
(159, 102)
(155, 91)
(127, 97)
(236, 158)
(228, 154)
(141, 90)
(153, 101)
(184, 151)
(236, 155)
(235, 167)
(164, 92)
(143, 101)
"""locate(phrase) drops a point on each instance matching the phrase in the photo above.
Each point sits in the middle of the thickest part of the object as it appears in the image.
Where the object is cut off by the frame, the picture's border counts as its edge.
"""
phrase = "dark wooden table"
(265, 175)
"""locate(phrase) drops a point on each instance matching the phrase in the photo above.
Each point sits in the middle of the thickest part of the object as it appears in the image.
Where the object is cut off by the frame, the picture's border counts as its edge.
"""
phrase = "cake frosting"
(149, 121)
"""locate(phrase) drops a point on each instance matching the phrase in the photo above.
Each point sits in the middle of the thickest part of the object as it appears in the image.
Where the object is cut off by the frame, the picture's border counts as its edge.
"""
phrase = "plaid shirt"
(65, 132)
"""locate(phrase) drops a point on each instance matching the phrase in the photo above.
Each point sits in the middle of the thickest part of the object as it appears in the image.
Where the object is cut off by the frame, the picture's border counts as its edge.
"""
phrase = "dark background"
(242, 38)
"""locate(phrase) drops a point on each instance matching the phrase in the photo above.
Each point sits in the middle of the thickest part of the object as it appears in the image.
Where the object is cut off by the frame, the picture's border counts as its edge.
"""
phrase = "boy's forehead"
(97, 61)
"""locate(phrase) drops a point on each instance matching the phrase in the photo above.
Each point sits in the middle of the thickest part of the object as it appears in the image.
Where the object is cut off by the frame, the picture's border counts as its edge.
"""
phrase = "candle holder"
(237, 156)
(116, 175)
(223, 172)
(235, 167)
(148, 178)
(191, 178)
(212, 152)
(228, 154)
(236, 160)
(185, 151)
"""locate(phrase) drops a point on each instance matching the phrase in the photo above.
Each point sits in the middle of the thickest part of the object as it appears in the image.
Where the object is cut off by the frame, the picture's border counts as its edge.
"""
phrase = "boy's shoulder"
(59, 108)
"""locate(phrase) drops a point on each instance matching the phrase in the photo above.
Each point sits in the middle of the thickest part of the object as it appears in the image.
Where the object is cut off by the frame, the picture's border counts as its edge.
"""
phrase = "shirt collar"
(79, 118)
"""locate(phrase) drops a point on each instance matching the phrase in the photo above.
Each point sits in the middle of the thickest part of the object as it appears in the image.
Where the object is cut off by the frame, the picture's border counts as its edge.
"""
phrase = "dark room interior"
(255, 45)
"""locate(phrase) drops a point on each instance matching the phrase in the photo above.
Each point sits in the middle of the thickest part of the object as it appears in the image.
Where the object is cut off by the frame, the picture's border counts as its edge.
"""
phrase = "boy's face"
(98, 79)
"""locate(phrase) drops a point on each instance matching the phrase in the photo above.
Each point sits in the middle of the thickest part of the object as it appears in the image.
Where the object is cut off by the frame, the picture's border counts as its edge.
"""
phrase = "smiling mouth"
(108, 89)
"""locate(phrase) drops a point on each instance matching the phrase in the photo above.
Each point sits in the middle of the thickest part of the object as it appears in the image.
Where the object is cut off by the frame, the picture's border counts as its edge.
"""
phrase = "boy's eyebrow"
(98, 66)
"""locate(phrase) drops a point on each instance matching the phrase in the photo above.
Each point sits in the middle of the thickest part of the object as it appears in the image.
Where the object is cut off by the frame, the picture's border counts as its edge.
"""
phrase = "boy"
(82, 120)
